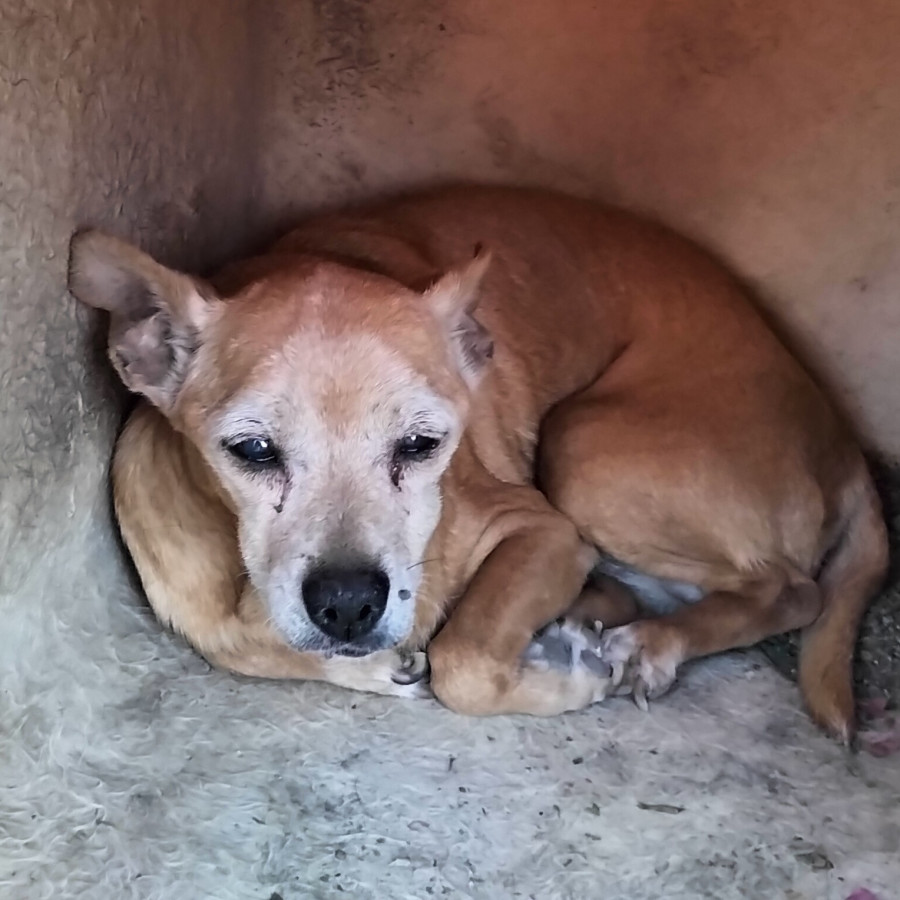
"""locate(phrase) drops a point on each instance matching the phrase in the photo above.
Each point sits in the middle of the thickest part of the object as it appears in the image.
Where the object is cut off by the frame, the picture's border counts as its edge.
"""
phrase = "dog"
(441, 422)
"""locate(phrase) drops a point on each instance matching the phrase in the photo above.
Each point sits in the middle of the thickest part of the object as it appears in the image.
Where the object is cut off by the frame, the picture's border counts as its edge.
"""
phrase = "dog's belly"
(656, 595)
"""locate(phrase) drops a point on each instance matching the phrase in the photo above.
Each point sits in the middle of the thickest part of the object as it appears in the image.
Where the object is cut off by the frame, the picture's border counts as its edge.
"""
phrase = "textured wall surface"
(766, 128)
(127, 769)
(117, 116)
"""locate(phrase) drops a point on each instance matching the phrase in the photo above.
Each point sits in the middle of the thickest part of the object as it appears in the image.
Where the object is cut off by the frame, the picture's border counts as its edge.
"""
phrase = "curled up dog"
(376, 440)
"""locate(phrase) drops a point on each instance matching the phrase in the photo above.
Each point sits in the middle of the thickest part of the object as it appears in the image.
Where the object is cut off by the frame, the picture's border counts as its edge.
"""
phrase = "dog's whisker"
(423, 562)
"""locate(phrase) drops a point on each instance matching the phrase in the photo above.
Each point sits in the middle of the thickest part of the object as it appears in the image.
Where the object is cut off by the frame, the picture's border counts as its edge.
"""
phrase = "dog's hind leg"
(645, 655)
(742, 513)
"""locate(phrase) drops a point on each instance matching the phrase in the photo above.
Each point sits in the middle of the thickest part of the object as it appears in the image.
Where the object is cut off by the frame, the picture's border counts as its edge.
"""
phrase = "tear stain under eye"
(396, 474)
(285, 490)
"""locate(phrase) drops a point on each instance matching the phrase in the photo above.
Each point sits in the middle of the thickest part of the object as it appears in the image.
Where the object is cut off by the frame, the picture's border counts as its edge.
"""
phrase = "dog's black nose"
(346, 603)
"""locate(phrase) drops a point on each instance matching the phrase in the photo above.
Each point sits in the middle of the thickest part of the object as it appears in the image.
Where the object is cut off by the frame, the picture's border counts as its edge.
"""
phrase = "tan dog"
(339, 457)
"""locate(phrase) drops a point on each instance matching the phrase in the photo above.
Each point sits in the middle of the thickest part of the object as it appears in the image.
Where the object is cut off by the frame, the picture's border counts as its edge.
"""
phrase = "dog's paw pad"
(569, 654)
(591, 660)
(565, 644)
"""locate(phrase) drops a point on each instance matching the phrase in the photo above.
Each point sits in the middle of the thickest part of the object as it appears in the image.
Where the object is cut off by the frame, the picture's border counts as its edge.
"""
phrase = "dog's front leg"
(478, 660)
(390, 672)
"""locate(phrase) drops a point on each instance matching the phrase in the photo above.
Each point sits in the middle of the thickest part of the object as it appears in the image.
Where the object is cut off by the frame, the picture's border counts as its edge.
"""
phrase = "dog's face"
(330, 429)
(328, 402)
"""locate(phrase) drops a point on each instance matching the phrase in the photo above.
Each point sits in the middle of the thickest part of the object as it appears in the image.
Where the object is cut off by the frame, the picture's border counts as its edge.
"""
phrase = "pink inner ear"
(143, 352)
(474, 341)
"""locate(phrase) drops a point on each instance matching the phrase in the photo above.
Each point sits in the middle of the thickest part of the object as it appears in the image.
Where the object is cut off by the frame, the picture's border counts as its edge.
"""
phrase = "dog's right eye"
(256, 450)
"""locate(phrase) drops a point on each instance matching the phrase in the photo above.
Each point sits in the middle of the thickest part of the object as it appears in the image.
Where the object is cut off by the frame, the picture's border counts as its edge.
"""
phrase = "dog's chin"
(352, 650)
(327, 646)
(364, 648)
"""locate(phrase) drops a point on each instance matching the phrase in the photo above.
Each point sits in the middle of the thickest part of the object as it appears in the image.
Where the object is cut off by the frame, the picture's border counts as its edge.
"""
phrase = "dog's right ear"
(454, 299)
(157, 314)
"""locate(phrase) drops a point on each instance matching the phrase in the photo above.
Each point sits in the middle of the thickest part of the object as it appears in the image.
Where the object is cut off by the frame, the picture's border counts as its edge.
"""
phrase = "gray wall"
(137, 116)
(768, 129)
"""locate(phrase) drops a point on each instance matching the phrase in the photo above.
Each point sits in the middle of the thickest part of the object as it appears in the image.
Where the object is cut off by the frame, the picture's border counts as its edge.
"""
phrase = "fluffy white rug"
(128, 769)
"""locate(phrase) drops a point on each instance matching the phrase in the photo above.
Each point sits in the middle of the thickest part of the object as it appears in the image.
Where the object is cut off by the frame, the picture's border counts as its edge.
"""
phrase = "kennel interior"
(128, 769)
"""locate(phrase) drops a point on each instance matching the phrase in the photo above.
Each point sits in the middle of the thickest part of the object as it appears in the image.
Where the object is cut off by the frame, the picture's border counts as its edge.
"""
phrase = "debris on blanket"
(881, 743)
(812, 855)
(873, 707)
(661, 808)
(880, 731)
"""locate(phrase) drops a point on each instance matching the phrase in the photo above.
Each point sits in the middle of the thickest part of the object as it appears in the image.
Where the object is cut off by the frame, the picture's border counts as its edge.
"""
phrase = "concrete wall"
(766, 128)
(132, 116)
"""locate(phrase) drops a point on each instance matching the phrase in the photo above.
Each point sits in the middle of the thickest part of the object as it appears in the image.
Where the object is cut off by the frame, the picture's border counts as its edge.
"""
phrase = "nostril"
(345, 603)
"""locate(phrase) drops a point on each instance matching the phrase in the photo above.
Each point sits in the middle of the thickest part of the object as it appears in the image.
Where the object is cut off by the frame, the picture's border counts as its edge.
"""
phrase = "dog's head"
(327, 401)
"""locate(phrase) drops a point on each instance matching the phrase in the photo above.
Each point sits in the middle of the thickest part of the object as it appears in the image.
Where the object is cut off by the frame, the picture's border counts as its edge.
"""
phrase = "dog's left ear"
(454, 299)
(156, 313)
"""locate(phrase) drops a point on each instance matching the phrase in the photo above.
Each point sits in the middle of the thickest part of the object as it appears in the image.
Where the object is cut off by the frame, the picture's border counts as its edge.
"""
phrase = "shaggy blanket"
(129, 769)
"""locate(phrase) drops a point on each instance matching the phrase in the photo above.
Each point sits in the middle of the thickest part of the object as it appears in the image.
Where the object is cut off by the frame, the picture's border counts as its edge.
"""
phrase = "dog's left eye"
(416, 446)
(255, 450)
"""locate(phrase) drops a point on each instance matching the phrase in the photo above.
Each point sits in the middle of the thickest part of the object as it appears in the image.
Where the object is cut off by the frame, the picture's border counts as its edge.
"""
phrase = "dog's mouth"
(352, 650)
(329, 647)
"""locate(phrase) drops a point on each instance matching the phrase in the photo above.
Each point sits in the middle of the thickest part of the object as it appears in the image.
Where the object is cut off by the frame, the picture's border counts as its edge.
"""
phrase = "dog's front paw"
(644, 660)
(575, 649)
(395, 673)
(412, 674)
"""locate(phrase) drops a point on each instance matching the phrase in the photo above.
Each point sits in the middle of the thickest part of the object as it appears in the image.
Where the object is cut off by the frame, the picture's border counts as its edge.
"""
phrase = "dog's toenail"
(640, 696)
(408, 673)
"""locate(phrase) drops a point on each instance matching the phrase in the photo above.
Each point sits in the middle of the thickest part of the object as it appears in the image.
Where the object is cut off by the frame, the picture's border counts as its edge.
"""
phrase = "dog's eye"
(256, 450)
(416, 446)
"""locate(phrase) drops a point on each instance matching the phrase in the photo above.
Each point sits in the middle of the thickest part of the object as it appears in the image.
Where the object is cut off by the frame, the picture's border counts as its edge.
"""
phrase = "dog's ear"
(454, 299)
(157, 314)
